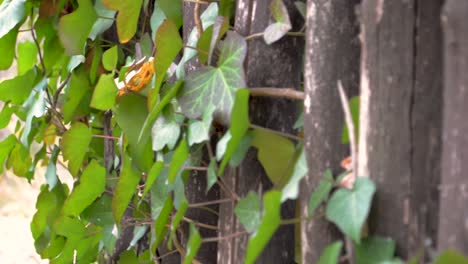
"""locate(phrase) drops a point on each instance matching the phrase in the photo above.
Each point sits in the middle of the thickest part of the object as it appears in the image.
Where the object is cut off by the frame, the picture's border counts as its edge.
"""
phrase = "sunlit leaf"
(11, 13)
(375, 249)
(178, 159)
(216, 85)
(6, 145)
(17, 90)
(92, 185)
(348, 209)
(27, 56)
(239, 125)
(7, 46)
(74, 146)
(248, 211)
(270, 222)
(168, 44)
(127, 17)
(193, 245)
(126, 187)
(331, 254)
(277, 159)
(451, 256)
(20, 160)
(282, 25)
(5, 115)
(74, 29)
(109, 58)
(320, 193)
(105, 92)
(291, 189)
(128, 257)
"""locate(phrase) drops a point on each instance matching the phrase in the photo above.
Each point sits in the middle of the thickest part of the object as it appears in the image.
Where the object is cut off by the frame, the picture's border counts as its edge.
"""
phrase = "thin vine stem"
(293, 137)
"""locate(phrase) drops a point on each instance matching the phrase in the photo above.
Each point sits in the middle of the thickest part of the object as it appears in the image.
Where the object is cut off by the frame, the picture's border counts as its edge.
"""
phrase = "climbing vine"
(101, 90)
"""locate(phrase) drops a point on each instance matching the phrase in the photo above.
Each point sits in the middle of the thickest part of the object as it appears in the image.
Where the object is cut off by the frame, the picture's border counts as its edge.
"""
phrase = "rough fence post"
(276, 65)
(332, 54)
(400, 118)
(453, 229)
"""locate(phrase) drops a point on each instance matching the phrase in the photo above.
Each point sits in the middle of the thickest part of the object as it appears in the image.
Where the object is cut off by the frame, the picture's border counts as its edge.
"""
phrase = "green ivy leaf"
(27, 56)
(156, 111)
(104, 21)
(161, 222)
(302, 8)
(348, 209)
(127, 17)
(178, 159)
(77, 97)
(193, 245)
(248, 211)
(51, 172)
(320, 194)
(226, 8)
(75, 144)
(277, 159)
(128, 257)
(375, 250)
(105, 92)
(17, 90)
(354, 108)
(291, 189)
(207, 19)
(74, 30)
(277, 30)
(157, 18)
(210, 38)
(165, 132)
(36, 104)
(331, 253)
(11, 14)
(100, 213)
(216, 85)
(130, 115)
(92, 185)
(451, 257)
(270, 222)
(198, 131)
(242, 149)
(239, 125)
(128, 181)
(110, 58)
(173, 10)
(5, 115)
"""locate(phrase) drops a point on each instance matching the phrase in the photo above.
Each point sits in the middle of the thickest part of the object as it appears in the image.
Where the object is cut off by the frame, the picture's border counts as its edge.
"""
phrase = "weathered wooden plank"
(332, 54)
(453, 228)
(276, 65)
(426, 127)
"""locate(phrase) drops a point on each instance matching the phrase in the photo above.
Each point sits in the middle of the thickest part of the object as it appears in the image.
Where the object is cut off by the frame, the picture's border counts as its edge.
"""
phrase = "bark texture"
(453, 227)
(400, 118)
(332, 54)
(276, 65)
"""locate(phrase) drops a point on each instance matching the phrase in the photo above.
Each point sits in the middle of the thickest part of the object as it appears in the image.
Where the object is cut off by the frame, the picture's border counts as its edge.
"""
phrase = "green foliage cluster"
(70, 103)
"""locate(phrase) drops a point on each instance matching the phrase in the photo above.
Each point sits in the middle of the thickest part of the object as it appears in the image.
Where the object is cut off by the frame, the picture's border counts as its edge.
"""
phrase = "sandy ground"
(17, 206)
